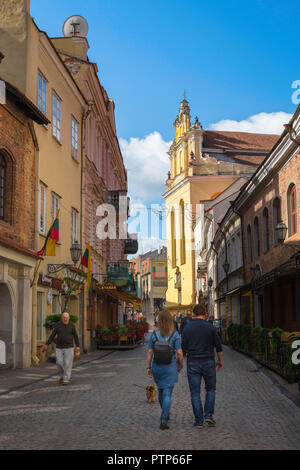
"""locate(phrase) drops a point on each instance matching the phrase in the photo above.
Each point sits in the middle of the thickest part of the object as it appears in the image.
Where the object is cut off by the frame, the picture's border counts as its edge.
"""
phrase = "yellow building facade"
(202, 165)
(35, 67)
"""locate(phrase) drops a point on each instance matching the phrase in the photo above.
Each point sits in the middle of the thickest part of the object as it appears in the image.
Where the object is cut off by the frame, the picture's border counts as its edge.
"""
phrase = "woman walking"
(164, 361)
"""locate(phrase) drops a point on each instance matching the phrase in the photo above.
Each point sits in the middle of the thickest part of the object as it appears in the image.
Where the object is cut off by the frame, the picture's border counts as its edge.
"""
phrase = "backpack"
(162, 350)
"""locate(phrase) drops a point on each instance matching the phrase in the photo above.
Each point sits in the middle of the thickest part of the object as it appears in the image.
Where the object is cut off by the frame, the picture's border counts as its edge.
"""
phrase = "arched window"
(3, 178)
(276, 217)
(266, 232)
(249, 244)
(256, 238)
(173, 238)
(182, 233)
(292, 210)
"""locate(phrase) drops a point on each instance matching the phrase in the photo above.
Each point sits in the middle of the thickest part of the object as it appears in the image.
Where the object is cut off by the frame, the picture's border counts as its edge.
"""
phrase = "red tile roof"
(239, 140)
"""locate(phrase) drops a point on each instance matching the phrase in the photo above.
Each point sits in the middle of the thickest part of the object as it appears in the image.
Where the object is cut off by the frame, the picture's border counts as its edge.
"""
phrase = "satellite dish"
(76, 26)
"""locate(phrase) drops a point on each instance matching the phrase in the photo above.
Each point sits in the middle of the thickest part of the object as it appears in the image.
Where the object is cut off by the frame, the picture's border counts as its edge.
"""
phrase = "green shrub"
(292, 370)
(260, 336)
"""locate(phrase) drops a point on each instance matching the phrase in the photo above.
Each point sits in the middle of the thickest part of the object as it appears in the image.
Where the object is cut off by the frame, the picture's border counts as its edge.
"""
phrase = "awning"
(236, 291)
(123, 296)
(178, 307)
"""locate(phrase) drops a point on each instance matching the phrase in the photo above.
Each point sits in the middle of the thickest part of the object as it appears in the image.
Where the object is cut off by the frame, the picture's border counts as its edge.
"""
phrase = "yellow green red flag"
(49, 248)
(86, 261)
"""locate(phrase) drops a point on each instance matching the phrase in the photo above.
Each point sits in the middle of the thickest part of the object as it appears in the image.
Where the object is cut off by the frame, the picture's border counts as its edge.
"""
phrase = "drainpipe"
(83, 141)
(34, 357)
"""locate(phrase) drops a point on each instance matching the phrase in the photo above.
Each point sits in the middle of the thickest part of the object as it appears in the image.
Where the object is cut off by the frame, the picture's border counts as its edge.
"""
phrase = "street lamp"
(226, 267)
(281, 230)
(75, 252)
(210, 282)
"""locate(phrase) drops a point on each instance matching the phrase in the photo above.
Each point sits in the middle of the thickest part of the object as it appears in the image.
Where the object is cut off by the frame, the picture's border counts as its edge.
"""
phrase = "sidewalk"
(13, 379)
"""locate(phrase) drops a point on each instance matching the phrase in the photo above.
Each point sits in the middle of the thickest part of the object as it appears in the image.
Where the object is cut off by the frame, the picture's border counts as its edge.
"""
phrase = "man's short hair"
(200, 310)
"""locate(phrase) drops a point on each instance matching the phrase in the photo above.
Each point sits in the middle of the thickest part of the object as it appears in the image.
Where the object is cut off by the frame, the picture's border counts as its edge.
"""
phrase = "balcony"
(131, 246)
(118, 275)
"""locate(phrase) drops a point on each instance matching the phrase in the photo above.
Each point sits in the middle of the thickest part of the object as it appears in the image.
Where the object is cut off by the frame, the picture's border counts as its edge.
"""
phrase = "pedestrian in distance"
(66, 334)
(199, 343)
(164, 361)
(185, 320)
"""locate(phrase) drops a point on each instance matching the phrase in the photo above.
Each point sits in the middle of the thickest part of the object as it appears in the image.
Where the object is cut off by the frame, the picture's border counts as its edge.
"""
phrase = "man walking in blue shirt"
(199, 342)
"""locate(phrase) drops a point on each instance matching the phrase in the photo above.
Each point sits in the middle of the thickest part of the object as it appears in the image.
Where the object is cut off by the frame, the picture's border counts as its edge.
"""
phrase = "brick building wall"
(277, 304)
(278, 186)
(17, 146)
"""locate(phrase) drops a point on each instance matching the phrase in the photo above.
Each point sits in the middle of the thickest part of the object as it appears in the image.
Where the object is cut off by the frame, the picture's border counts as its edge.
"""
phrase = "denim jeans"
(164, 396)
(196, 369)
(64, 361)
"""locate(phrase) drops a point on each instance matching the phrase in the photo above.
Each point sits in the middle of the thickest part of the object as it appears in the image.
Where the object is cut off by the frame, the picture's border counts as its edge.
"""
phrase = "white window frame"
(74, 225)
(42, 93)
(74, 137)
(42, 295)
(55, 205)
(43, 216)
(56, 116)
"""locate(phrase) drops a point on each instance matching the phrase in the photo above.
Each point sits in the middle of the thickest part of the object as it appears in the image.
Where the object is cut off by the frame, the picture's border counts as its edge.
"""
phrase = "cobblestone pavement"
(103, 408)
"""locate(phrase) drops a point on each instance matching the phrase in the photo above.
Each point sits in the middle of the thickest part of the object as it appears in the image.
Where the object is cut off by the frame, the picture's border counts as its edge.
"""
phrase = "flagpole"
(36, 271)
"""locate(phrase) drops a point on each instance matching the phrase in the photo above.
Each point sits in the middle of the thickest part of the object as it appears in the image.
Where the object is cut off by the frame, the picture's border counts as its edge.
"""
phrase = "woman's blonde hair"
(165, 322)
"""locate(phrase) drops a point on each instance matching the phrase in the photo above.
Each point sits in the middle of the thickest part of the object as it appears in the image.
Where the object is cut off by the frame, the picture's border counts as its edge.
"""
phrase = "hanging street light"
(281, 230)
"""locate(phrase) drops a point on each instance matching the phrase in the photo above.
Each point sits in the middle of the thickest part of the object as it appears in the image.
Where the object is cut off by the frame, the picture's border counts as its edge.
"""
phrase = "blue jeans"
(164, 396)
(196, 369)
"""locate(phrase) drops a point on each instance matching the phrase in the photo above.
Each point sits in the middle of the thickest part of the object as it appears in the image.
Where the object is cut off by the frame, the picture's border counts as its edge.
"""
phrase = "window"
(56, 115)
(55, 205)
(249, 244)
(74, 226)
(233, 258)
(276, 217)
(99, 143)
(74, 138)
(266, 233)
(292, 210)
(256, 238)
(173, 240)
(293, 300)
(3, 175)
(56, 308)
(41, 336)
(42, 209)
(182, 238)
(42, 93)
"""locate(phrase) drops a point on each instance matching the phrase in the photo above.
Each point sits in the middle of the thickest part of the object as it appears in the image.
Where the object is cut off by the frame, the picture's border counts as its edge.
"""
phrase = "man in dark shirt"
(66, 334)
(199, 342)
(185, 321)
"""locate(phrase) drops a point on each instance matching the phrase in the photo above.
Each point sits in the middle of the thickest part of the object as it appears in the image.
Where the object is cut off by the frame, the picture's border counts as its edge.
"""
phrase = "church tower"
(183, 121)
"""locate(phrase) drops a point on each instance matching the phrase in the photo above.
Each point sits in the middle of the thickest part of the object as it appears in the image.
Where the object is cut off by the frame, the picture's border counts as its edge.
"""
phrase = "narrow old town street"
(105, 408)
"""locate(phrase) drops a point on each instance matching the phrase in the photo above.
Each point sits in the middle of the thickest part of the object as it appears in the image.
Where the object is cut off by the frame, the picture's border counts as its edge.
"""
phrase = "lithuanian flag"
(86, 261)
(49, 248)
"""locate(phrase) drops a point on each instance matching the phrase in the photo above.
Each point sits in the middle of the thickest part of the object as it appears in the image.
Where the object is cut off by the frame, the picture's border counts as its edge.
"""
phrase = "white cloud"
(149, 244)
(262, 123)
(148, 164)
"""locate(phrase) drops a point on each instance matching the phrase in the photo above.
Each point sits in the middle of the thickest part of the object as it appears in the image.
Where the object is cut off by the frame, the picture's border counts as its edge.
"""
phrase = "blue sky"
(236, 60)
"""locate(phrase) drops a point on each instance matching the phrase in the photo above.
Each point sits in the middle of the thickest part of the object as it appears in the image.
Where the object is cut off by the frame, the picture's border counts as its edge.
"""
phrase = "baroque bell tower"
(182, 123)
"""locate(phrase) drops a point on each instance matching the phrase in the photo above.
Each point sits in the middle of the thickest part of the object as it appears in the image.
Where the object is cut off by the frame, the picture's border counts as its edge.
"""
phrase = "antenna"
(75, 26)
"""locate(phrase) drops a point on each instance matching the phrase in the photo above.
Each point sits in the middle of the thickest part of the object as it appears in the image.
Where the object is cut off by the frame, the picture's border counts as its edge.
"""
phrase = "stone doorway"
(6, 324)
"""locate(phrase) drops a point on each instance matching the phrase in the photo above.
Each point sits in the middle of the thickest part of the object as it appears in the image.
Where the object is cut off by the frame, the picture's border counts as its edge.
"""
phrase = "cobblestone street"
(104, 409)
